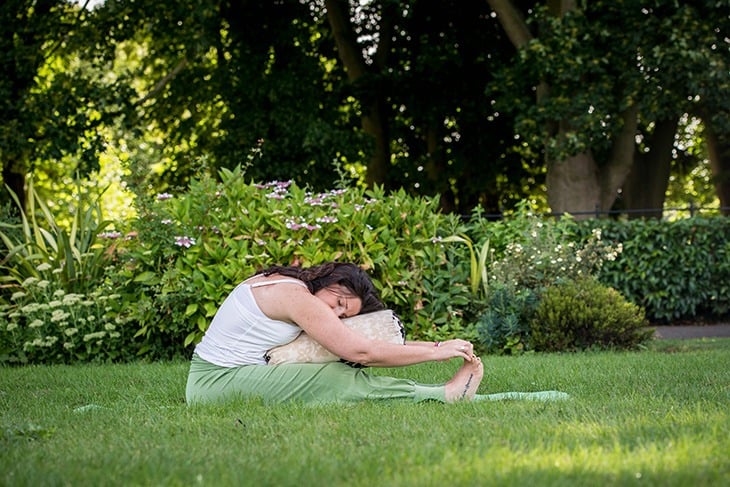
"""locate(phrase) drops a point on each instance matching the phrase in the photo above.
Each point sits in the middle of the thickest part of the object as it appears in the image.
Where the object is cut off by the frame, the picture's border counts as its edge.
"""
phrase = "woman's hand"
(454, 349)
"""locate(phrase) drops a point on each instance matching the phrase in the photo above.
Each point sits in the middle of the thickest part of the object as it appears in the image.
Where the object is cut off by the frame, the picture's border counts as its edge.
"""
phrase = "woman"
(274, 306)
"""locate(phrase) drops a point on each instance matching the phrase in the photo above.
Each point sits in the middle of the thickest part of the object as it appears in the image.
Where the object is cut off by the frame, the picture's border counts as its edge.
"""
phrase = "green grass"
(658, 417)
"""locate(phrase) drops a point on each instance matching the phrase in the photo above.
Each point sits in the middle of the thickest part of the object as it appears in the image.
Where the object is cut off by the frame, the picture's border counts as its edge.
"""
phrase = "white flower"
(93, 336)
(59, 315)
(28, 309)
(43, 267)
(35, 324)
(29, 281)
(72, 298)
(17, 295)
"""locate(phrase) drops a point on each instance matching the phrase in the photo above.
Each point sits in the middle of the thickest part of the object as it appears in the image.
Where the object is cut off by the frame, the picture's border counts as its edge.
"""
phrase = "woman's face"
(341, 300)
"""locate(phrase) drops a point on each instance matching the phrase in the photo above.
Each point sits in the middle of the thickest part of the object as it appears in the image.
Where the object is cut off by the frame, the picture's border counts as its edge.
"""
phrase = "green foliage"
(45, 324)
(504, 326)
(530, 255)
(190, 249)
(477, 262)
(675, 270)
(55, 306)
(584, 314)
(445, 306)
(37, 246)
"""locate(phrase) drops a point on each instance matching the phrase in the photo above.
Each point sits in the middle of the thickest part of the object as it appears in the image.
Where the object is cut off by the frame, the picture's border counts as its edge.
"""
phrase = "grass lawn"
(657, 417)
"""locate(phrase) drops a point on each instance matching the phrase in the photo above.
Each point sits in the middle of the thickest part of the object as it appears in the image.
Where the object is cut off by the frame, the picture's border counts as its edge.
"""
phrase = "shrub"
(541, 254)
(190, 249)
(504, 326)
(54, 307)
(583, 314)
(38, 246)
(675, 270)
(45, 324)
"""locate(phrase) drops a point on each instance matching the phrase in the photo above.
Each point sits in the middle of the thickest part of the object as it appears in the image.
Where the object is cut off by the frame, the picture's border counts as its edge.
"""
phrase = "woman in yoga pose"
(274, 306)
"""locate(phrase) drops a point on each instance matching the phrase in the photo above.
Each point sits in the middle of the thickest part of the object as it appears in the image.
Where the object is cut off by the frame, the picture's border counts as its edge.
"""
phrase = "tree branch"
(512, 22)
(161, 83)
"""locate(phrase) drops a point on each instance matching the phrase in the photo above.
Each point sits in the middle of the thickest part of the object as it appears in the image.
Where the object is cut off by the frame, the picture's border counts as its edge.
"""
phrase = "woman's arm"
(295, 304)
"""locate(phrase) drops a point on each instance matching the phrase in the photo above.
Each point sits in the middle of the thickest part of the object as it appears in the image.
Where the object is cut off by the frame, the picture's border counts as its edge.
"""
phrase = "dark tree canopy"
(481, 103)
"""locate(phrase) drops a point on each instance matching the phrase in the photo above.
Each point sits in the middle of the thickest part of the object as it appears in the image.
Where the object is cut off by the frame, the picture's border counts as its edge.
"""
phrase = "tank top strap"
(277, 281)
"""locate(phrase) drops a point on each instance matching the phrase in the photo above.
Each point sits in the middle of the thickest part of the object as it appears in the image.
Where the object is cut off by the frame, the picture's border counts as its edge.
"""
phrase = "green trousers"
(332, 382)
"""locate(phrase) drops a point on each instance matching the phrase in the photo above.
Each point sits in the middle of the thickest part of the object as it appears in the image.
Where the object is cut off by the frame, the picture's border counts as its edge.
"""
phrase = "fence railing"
(690, 210)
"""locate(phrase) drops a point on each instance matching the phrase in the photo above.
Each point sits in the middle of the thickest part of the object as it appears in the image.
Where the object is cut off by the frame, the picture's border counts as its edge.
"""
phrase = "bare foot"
(463, 386)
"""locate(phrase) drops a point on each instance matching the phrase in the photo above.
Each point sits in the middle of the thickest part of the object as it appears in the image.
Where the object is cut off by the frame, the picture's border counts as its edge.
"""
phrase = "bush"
(39, 247)
(583, 314)
(54, 306)
(504, 326)
(540, 253)
(189, 250)
(675, 270)
(45, 324)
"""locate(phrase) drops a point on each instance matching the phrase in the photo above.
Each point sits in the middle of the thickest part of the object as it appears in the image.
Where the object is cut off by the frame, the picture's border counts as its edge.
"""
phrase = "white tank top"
(240, 333)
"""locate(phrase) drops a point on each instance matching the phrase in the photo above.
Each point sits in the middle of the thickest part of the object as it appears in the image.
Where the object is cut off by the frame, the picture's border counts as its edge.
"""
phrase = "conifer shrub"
(583, 314)
(504, 326)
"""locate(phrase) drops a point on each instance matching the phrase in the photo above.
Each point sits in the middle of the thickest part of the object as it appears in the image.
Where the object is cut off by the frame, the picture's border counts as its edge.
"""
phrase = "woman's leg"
(309, 383)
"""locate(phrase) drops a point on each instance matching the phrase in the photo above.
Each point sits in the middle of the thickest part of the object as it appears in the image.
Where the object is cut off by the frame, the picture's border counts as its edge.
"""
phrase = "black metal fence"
(688, 211)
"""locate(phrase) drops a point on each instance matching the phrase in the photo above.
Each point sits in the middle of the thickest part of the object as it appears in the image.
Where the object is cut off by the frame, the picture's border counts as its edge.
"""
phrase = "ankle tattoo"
(466, 387)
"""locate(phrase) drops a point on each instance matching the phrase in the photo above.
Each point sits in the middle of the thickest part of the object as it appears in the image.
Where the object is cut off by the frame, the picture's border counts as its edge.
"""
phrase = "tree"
(29, 34)
(603, 74)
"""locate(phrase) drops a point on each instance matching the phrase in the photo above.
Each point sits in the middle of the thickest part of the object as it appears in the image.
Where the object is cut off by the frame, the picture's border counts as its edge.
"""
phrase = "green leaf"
(191, 309)
(147, 277)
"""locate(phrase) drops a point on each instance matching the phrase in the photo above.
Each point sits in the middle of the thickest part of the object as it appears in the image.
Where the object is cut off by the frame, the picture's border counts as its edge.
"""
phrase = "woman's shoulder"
(261, 280)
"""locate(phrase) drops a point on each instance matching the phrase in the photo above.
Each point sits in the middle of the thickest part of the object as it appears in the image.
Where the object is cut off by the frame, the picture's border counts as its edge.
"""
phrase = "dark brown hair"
(356, 280)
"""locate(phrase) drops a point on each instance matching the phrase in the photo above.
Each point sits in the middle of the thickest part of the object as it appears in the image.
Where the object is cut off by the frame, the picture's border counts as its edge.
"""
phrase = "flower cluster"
(46, 324)
(300, 223)
(110, 235)
(278, 189)
(184, 241)
(321, 199)
(544, 259)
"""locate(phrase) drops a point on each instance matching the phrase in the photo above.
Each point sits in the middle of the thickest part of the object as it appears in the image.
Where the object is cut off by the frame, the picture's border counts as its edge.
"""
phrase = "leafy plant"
(582, 314)
(477, 262)
(190, 249)
(44, 324)
(674, 269)
(38, 247)
(531, 255)
(504, 326)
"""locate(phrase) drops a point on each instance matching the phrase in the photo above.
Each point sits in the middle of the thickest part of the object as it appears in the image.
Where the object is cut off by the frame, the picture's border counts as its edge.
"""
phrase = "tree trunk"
(719, 155)
(646, 185)
(512, 22)
(373, 119)
(435, 168)
(572, 186)
(614, 172)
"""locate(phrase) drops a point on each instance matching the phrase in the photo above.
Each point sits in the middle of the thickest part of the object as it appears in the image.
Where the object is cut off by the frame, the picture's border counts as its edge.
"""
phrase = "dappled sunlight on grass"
(641, 418)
